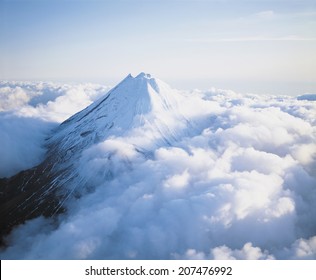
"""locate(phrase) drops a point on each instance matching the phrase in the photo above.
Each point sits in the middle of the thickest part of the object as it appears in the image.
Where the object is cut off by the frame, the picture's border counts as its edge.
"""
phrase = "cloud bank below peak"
(28, 112)
(240, 185)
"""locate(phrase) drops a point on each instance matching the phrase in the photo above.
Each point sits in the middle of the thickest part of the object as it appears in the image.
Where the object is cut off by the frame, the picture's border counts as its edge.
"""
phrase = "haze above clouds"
(250, 46)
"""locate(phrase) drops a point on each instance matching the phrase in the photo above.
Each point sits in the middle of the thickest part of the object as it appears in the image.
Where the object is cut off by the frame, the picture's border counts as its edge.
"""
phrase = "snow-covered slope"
(144, 110)
(136, 103)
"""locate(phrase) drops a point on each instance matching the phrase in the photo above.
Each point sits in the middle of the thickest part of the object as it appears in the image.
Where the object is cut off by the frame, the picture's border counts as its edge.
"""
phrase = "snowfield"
(165, 174)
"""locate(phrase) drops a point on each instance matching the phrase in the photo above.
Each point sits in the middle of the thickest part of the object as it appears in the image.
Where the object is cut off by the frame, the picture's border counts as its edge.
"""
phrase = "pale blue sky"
(249, 46)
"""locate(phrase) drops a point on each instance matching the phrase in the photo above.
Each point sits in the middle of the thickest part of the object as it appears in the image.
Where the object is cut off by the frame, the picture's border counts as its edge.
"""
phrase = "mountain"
(135, 102)
(144, 110)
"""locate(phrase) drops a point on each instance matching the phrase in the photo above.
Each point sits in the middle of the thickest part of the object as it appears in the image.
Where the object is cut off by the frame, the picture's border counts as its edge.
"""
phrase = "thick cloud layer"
(28, 111)
(21, 143)
(240, 184)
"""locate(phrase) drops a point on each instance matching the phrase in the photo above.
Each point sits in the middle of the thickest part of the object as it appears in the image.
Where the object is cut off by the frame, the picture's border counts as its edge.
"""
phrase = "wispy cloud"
(266, 14)
(290, 38)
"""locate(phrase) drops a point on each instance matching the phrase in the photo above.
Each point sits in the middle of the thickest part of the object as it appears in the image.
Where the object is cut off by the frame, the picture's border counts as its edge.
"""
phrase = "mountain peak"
(148, 80)
(143, 75)
(134, 102)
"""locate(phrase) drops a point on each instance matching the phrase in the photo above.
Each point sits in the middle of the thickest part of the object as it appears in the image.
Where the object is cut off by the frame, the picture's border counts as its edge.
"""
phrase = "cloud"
(309, 97)
(265, 14)
(305, 249)
(12, 98)
(16, 95)
(248, 252)
(28, 111)
(288, 38)
(239, 184)
(58, 102)
(21, 143)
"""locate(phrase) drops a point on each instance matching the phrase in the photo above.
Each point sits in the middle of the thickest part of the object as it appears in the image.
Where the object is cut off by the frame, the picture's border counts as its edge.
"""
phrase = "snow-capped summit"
(135, 102)
(143, 75)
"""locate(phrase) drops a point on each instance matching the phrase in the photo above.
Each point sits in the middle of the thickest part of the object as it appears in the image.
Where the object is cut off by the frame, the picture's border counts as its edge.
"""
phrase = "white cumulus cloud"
(28, 111)
(239, 184)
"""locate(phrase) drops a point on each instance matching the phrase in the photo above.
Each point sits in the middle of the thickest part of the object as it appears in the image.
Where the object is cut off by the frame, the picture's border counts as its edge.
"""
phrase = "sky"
(248, 46)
